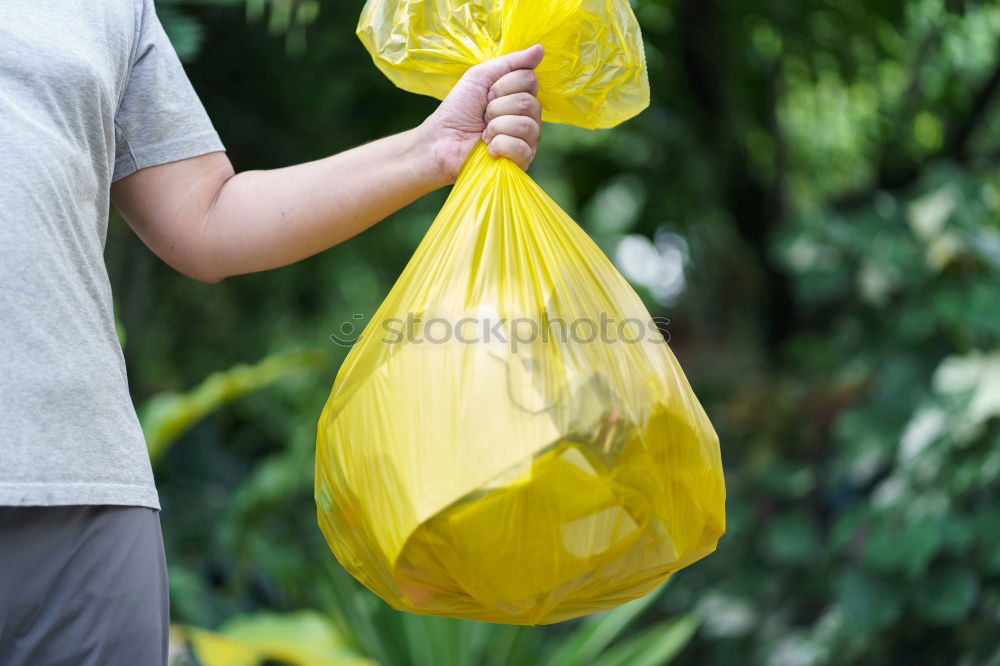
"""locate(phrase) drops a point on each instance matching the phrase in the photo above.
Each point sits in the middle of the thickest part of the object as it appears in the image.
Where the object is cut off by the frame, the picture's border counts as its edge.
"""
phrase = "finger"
(526, 59)
(514, 149)
(519, 127)
(492, 70)
(521, 80)
(518, 104)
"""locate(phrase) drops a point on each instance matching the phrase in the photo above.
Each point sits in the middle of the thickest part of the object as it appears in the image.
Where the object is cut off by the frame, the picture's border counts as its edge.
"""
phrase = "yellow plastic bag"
(511, 440)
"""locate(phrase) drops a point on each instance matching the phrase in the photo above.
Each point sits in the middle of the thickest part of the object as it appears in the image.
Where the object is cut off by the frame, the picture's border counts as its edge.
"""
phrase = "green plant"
(166, 416)
(309, 639)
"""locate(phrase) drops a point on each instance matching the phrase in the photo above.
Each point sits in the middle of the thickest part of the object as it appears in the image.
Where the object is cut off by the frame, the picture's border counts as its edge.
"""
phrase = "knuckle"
(491, 110)
(476, 71)
(502, 86)
(502, 146)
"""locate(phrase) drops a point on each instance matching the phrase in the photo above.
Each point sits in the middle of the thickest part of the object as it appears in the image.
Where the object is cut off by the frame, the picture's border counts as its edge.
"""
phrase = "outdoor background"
(812, 199)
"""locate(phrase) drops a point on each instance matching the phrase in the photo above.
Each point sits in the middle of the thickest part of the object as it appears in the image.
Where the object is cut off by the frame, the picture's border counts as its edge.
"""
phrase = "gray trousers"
(82, 586)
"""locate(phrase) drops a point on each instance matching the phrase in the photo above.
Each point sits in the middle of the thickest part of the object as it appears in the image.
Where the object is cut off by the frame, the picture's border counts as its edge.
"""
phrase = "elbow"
(202, 271)
(195, 256)
(207, 277)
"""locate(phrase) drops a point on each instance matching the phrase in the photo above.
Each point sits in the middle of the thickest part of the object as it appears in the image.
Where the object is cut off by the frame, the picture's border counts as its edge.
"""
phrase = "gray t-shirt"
(90, 91)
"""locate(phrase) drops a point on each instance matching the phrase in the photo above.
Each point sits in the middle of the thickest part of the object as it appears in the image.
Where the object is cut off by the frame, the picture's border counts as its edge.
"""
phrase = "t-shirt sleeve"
(160, 118)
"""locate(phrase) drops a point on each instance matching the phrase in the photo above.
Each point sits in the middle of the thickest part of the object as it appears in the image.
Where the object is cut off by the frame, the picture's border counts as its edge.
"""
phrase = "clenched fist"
(494, 101)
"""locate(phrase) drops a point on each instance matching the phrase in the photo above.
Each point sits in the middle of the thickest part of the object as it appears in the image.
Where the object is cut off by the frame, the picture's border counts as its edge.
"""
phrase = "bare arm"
(210, 223)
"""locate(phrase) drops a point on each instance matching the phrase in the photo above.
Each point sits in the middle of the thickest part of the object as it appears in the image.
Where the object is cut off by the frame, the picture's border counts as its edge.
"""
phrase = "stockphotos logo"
(516, 332)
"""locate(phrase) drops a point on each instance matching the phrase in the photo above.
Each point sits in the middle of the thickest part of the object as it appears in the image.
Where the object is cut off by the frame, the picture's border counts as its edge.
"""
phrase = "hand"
(494, 101)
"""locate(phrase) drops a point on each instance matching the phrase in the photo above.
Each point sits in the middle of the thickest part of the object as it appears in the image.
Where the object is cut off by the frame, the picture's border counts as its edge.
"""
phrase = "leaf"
(909, 546)
(598, 631)
(868, 604)
(304, 638)
(946, 595)
(167, 416)
(792, 538)
(214, 650)
(929, 214)
(185, 32)
(512, 645)
(653, 647)
(987, 520)
(976, 376)
(433, 641)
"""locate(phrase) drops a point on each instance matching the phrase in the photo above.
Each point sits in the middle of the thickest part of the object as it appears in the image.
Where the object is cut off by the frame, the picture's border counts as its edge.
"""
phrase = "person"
(95, 107)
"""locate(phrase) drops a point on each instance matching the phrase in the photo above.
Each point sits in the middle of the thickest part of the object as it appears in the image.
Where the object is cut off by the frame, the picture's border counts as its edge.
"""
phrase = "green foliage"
(305, 638)
(288, 18)
(597, 632)
(166, 416)
(651, 647)
(603, 639)
(822, 175)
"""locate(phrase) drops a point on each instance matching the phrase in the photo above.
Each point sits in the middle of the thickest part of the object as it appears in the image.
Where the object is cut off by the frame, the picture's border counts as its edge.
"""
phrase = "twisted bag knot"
(593, 74)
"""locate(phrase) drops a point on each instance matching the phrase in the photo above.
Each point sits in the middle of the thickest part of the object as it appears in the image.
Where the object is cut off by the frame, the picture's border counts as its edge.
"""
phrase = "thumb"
(529, 58)
(526, 59)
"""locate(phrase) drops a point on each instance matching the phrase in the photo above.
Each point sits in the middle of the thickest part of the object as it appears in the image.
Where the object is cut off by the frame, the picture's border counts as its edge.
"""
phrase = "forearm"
(210, 223)
(266, 219)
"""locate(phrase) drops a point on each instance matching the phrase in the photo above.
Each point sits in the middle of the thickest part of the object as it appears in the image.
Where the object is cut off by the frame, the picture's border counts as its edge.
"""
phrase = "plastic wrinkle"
(482, 455)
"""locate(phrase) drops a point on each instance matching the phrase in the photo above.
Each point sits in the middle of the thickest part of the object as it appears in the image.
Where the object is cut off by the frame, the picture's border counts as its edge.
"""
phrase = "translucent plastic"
(511, 440)
(593, 74)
